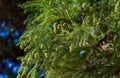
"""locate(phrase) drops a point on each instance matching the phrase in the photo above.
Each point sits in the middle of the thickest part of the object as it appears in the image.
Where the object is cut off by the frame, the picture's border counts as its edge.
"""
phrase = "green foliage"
(71, 39)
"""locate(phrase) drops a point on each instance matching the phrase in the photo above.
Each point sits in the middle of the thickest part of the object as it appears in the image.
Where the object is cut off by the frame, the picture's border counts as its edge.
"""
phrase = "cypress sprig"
(71, 39)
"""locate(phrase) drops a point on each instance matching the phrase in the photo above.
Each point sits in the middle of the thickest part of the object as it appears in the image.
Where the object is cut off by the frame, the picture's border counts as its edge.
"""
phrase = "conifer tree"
(71, 39)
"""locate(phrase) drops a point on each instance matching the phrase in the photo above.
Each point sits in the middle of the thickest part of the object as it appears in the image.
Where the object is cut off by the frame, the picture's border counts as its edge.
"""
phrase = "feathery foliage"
(71, 39)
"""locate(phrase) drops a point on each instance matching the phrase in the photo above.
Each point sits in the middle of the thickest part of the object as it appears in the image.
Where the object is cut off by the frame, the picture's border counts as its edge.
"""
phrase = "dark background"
(11, 28)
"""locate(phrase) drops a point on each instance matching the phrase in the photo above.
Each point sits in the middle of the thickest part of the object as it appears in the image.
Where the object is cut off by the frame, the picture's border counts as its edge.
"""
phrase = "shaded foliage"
(11, 28)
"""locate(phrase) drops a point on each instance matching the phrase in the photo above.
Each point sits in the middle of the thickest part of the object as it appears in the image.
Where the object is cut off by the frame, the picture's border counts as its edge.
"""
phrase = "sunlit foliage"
(71, 39)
